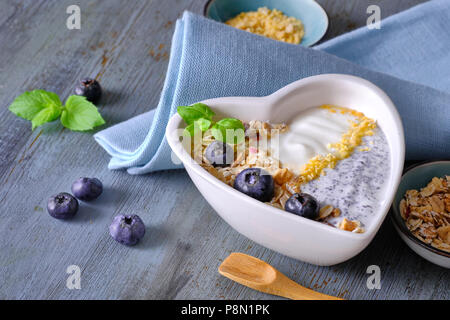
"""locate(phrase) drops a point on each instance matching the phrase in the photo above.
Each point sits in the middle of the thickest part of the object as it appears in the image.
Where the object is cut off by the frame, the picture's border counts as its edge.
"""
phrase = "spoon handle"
(285, 287)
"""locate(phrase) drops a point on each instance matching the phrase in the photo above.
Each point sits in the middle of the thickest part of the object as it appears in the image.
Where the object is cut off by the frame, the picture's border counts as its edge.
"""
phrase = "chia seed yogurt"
(356, 184)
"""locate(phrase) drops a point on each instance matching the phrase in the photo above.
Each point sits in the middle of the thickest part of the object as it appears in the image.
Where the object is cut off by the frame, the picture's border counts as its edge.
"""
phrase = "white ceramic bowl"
(276, 229)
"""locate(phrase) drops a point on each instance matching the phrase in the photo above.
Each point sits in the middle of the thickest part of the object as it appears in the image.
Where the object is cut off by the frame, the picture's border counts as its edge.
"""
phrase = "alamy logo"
(74, 20)
(374, 20)
(74, 280)
(374, 280)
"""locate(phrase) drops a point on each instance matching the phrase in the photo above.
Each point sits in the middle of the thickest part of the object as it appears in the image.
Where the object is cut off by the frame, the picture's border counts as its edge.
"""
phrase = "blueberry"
(256, 183)
(219, 154)
(304, 205)
(89, 88)
(87, 189)
(62, 206)
(127, 230)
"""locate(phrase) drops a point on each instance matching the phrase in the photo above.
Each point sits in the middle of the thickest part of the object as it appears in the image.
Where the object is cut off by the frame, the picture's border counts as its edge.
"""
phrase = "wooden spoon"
(257, 274)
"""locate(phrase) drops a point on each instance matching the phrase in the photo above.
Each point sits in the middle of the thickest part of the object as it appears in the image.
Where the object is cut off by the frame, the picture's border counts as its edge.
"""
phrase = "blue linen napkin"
(409, 58)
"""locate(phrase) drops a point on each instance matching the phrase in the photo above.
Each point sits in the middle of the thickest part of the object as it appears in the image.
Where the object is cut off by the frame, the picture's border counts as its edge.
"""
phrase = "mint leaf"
(80, 115)
(189, 130)
(48, 114)
(195, 112)
(229, 130)
(202, 124)
(201, 107)
(29, 104)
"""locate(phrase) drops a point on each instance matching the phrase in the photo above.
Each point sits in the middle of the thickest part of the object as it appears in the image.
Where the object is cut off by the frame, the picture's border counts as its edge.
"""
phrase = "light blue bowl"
(312, 15)
(417, 177)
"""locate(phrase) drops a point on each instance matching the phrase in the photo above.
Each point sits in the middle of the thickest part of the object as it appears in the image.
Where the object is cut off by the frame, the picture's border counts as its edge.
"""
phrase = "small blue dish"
(312, 15)
(416, 177)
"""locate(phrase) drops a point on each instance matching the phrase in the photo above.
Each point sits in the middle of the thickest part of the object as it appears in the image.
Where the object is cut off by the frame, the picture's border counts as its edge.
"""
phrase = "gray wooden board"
(126, 44)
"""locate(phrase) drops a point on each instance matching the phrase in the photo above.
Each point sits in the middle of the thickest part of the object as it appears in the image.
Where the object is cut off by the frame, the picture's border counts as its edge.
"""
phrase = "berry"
(127, 230)
(304, 205)
(219, 154)
(256, 183)
(62, 206)
(89, 88)
(87, 189)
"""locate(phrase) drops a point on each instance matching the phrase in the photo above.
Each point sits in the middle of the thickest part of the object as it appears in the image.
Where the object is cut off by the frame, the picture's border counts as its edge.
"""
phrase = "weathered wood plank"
(345, 16)
(126, 47)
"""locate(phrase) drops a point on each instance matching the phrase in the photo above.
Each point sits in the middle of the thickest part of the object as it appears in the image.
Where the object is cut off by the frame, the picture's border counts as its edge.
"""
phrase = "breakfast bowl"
(416, 178)
(279, 230)
(312, 15)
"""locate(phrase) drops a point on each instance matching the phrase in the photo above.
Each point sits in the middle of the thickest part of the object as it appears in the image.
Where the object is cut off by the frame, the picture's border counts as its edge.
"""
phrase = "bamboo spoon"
(259, 275)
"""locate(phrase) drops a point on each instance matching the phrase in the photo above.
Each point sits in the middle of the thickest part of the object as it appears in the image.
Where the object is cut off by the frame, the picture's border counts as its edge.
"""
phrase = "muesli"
(264, 150)
(427, 213)
(269, 23)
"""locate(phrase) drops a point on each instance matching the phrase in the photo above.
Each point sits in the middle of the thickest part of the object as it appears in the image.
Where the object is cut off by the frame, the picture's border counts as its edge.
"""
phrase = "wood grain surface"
(125, 44)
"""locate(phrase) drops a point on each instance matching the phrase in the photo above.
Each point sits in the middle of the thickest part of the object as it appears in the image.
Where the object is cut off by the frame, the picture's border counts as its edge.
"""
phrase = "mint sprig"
(195, 112)
(40, 107)
(198, 117)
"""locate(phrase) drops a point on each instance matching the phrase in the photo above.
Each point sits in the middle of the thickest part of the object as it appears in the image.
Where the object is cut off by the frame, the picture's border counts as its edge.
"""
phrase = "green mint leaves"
(48, 114)
(195, 112)
(198, 117)
(33, 104)
(229, 130)
(202, 124)
(39, 107)
(80, 115)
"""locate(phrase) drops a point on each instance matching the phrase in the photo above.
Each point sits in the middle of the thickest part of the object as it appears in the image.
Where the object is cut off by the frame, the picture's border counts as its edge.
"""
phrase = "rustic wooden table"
(126, 45)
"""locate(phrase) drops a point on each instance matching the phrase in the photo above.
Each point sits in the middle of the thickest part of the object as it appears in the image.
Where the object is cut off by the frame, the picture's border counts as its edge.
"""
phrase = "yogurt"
(356, 185)
(309, 135)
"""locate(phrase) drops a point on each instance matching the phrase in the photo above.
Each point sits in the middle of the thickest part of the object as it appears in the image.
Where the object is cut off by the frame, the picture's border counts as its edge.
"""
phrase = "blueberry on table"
(256, 183)
(219, 154)
(62, 206)
(127, 230)
(87, 189)
(89, 88)
(304, 205)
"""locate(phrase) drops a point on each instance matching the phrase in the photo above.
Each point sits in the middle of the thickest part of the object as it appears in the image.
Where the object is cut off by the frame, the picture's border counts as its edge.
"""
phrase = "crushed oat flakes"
(427, 213)
(269, 23)
(325, 211)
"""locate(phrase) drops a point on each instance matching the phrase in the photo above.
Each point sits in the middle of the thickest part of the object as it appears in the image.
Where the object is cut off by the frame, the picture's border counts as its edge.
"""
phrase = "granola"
(352, 226)
(427, 213)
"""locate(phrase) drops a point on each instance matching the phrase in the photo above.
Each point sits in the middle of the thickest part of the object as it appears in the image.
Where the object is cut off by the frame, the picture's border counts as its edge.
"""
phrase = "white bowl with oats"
(331, 148)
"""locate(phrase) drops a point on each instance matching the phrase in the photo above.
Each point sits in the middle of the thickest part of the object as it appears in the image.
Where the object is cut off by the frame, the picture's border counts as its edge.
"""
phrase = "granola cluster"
(256, 152)
(251, 154)
(427, 213)
(269, 23)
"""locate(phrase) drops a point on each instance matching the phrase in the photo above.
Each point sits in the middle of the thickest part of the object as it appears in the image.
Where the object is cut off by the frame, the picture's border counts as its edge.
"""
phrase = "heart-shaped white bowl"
(295, 236)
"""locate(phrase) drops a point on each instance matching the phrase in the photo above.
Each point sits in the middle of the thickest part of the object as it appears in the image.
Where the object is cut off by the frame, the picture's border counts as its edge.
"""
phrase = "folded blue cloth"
(408, 58)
